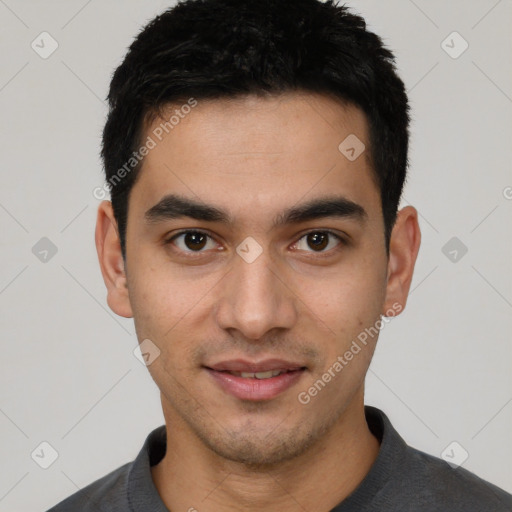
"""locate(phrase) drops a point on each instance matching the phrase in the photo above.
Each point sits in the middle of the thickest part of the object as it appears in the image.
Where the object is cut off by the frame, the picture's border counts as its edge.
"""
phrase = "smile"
(255, 381)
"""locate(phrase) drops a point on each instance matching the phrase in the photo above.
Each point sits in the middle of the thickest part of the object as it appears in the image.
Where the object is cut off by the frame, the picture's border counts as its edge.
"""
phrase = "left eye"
(318, 240)
(192, 241)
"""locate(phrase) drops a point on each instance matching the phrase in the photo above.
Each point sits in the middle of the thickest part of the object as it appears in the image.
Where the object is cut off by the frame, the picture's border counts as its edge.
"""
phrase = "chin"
(262, 448)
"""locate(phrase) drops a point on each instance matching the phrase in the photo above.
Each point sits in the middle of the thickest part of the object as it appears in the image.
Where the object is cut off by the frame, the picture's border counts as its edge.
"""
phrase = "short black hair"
(214, 49)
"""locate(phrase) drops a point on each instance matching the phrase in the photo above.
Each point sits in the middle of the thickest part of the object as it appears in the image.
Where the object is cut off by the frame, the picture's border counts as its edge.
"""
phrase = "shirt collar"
(143, 495)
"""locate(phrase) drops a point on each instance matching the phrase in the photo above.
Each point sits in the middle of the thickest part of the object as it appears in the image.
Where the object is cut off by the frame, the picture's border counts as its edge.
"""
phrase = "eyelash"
(195, 254)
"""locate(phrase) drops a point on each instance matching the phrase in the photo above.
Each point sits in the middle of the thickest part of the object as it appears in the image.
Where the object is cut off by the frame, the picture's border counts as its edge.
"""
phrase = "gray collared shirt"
(402, 479)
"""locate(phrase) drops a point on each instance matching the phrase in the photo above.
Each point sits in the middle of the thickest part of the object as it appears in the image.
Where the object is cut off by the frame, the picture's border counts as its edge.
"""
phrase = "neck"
(191, 477)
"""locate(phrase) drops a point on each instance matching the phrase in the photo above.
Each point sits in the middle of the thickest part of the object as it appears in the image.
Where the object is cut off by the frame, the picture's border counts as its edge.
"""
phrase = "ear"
(112, 266)
(403, 250)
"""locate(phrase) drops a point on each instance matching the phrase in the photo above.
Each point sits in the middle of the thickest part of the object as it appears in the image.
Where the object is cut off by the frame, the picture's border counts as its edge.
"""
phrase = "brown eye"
(191, 241)
(194, 241)
(318, 241)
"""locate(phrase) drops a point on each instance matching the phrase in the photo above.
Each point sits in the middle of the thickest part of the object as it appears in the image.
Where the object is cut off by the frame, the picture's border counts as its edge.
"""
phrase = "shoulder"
(434, 481)
(125, 487)
(405, 479)
(107, 494)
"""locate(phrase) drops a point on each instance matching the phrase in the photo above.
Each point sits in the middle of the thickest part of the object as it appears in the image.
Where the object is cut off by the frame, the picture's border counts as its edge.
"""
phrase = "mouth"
(258, 375)
(256, 381)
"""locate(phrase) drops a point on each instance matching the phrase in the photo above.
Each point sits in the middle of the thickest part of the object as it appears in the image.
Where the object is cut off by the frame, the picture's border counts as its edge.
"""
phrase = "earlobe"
(112, 265)
(403, 251)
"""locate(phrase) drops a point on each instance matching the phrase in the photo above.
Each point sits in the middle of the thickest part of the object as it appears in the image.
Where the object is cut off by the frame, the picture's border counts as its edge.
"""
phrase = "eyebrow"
(173, 206)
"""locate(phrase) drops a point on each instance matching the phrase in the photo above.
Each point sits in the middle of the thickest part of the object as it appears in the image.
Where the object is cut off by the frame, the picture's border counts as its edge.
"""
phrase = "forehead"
(262, 153)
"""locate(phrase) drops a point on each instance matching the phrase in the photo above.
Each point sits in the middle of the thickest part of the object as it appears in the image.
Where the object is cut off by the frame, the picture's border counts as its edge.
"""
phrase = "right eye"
(190, 241)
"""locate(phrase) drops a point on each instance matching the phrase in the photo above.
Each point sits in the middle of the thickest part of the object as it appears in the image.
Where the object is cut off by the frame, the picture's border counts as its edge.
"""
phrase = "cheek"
(153, 305)
(343, 310)
(156, 295)
(348, 299)
(167, 308)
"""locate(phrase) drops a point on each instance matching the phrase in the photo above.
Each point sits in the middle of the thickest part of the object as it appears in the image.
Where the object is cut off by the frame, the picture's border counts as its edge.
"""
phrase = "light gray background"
(442, 370)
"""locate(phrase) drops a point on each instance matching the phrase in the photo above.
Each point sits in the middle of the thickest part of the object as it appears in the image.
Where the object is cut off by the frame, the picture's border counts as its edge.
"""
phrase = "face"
(259, 272)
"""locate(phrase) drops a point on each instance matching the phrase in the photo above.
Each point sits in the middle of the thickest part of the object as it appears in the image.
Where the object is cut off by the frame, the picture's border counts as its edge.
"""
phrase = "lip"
(241, 365)
(252, 388)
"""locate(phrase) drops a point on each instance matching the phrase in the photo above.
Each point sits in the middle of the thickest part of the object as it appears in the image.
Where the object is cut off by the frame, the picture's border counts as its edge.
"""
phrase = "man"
(256, 152)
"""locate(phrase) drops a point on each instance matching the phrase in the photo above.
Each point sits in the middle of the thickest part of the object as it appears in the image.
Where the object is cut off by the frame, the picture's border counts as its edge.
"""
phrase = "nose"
(255, 298)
